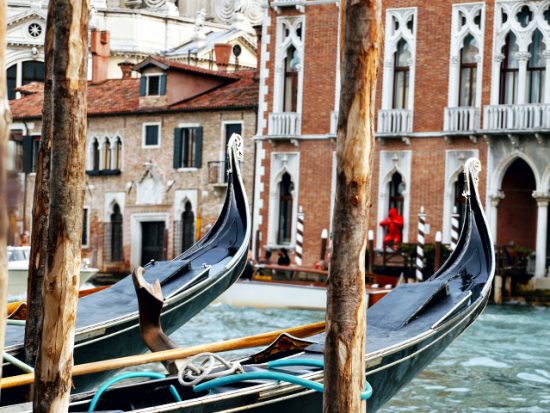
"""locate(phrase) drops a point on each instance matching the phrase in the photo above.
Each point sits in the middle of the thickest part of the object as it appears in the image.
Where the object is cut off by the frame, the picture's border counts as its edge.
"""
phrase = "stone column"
(494, 200)
(542, 198)
(523, 58)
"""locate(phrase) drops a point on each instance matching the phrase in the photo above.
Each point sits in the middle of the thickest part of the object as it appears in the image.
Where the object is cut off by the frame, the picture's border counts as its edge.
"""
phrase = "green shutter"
(27, 154)
(163, 85)
(178, 137)
(143, 86)
(198, 147)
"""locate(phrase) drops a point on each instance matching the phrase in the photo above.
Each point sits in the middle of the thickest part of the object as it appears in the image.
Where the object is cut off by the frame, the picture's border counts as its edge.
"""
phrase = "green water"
(500, 365)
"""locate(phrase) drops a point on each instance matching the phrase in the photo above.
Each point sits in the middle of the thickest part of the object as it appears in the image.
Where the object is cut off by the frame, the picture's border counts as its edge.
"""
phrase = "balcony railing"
(462, 119)
(216, 173)
(394, 121)
(516, 117)
(333, 122)
(285, 124)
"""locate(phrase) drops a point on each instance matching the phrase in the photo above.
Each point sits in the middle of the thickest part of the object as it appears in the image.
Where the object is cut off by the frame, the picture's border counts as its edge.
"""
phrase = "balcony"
(394, 121)
(462, 119)
(284, 124)
(531, 116)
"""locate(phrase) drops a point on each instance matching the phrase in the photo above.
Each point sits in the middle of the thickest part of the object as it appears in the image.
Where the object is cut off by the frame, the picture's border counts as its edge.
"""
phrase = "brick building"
(156, 151)
(457, 79)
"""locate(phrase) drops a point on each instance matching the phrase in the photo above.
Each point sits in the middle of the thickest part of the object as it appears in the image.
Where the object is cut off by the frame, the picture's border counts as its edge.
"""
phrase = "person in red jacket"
(394, 225)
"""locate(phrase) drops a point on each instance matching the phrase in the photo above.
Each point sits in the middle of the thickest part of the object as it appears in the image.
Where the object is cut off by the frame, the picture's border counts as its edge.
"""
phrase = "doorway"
(152, 241)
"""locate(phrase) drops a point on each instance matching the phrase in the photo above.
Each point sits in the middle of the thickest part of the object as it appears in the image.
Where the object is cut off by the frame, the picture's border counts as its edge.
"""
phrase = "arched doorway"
(517, 212)
(188, 227)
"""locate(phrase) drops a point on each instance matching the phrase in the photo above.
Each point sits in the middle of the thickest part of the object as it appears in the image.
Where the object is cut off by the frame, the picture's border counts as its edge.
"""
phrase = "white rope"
(194, 370)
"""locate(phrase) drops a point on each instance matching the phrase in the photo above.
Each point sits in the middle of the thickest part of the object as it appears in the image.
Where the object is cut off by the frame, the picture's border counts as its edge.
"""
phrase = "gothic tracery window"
(468, 72)
(116, 234)
(536, 69)
(286, 188)
(401, 74)
(188, 226)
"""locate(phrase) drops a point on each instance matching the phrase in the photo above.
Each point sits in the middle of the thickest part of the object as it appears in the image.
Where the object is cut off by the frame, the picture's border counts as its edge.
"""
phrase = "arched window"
(509, 72)
(187, 227)
(290, 88)
(535, 70)
(116, 234)
(31, 71)
(107, 154)
(460, 201)
(401, 75)
(468, 72)
(118, 153)
(396, 189)
(284, 232)
(95, 155)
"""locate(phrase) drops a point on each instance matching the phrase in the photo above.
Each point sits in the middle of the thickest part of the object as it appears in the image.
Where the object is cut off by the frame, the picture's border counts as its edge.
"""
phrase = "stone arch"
(504, 164)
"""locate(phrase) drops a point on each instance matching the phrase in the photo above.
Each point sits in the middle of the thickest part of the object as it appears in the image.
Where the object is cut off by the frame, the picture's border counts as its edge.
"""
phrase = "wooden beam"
(65, 107)
(361, 32)
(5, 120)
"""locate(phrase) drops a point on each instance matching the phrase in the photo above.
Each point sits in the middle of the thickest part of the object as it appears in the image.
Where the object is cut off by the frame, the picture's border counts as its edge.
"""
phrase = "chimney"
(258, 29)
(126, 68)
(223, 53)
(99, 41)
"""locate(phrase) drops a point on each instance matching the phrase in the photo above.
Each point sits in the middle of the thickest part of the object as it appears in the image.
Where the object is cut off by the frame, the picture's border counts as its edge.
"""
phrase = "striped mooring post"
(299, 237)
(420, 245)
(454, 228)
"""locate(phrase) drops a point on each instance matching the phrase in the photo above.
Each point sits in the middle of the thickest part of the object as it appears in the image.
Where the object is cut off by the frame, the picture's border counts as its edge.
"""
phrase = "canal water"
(500, 365)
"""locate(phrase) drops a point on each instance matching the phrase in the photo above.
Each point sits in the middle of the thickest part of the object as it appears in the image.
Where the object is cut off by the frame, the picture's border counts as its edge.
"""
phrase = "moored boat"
(407, 329)
(18, 271)
(107, 322)
(277, 286)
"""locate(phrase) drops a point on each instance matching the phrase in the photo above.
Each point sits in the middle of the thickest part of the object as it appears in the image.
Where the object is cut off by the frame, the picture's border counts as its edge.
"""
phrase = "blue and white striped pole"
(420, 245)
(454, 228)
(299, 237)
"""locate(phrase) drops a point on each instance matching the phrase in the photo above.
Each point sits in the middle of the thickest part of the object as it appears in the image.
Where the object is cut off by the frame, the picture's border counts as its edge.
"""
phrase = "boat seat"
(405, 303)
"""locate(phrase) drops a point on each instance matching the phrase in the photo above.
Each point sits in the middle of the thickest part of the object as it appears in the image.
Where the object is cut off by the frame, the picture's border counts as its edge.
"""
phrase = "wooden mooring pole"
(5, 120)
(65, 106)
(360, 30)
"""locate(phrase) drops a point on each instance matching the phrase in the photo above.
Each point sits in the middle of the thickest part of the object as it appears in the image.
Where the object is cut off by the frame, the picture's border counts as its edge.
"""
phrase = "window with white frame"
(151, 135)
(152, 85)
(188, 147)
(521, 31)
(466, 54)
(289, 65)
(23, 73)
(399, 58)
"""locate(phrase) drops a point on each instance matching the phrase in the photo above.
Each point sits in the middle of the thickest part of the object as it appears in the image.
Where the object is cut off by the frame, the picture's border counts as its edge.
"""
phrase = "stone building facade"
(457, 79)
(155, 176)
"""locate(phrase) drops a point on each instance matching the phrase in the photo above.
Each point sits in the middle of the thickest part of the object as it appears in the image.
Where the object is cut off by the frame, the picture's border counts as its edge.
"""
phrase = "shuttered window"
(151, 135)
(152, 85)
(188, 147)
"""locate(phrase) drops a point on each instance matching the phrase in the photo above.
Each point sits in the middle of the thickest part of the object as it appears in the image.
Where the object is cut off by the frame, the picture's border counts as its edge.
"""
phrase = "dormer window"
(152, 85)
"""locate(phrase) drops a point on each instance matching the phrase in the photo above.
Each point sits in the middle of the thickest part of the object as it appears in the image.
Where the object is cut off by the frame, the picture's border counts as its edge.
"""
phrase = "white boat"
(273, 286)
(18, 271)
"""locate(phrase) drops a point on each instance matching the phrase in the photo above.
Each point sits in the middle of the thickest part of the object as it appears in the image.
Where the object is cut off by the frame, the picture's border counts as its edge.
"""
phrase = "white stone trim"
(181, 196)
(143, 145)
(292, 24)
(282, 162)
(112, 198)
(135, 232)
(458, 34)
(523, 36)
(391, 162)
(392, 37)
(454, 166)
(264, 74)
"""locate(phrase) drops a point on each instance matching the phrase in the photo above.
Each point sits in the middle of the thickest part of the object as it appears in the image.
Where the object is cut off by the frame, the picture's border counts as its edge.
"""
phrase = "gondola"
(107, 324)
(407, 329)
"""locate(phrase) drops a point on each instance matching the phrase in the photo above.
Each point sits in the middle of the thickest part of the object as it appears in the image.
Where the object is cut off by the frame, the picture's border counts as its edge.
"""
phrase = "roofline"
(152, 112)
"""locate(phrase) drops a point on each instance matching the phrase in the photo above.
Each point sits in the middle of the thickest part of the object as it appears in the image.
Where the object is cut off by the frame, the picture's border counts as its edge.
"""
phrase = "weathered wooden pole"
(40, 213)
(5, 120)
(68, 27)
(360, 29)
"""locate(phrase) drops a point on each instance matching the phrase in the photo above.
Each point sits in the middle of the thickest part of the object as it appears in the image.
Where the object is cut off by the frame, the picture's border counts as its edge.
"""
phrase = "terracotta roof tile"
(122, 96)
(172, 64)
